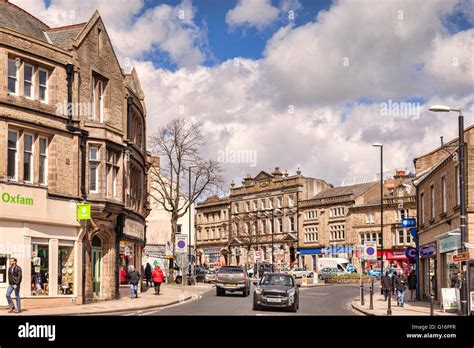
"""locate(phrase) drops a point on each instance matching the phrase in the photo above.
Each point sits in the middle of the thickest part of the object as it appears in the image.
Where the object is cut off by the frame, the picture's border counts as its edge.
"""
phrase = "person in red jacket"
(122, 275)
(158, 277)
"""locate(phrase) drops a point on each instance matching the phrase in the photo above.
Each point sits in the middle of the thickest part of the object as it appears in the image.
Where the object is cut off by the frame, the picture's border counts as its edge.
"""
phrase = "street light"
(462, 205)
(193, 262)
(381, 207)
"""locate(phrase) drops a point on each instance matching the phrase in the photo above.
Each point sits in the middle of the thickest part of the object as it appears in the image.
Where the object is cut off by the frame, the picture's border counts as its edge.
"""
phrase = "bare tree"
(248, 232)
(179, 144)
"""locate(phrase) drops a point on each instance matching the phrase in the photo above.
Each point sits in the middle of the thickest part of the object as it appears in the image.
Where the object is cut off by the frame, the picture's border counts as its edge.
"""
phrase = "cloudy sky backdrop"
(295, 82)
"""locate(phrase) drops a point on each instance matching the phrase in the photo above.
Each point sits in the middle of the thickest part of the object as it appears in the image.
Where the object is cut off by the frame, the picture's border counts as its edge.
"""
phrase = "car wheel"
(311, 275)
(256, 307)
(294, 308)
(320, 277)
(178, 280)
(219, 292)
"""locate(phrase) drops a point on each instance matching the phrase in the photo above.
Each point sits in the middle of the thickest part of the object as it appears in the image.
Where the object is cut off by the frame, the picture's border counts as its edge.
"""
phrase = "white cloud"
(252, 13)
(164, 27)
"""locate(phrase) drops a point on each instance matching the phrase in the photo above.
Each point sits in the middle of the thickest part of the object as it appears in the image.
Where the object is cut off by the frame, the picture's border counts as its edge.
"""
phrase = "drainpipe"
(129, 117)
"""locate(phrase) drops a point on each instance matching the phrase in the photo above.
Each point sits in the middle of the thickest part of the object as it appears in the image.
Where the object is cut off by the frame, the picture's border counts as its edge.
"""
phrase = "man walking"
(133, 279)
(14, 281)
(386, 285)
(400, 285)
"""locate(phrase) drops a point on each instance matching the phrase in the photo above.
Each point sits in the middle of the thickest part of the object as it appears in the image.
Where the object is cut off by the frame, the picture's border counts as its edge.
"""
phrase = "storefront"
(131, 246)
(448, 247)
(428, 270)
(212, 255)
(42, 233)
(155, 255)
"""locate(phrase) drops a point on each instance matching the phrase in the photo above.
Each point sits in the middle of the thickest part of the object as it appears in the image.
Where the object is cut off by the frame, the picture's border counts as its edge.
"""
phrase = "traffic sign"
(409, 222)
(181, 244)
(461, 257)
(370, 251)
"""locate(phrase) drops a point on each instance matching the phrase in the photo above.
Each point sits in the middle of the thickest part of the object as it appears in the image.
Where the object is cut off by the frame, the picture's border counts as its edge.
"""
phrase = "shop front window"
(3, 268)
(453, 272)
(65, 270)
(40, 270)
(127, 256)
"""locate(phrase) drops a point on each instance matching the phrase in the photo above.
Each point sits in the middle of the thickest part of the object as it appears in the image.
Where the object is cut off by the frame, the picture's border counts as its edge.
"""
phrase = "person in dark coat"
(148, 274)
(400, 282)
(133, 279)
(386, 285)
(14, 281)
(412, 283)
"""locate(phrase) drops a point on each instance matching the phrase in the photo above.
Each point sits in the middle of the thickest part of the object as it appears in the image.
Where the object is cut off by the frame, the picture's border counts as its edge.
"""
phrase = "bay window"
(94, 169)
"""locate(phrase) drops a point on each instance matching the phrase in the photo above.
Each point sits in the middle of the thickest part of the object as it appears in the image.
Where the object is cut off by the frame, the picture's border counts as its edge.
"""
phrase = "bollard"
(371, 306)
(361, 294)
(389, 308)
(432, 305)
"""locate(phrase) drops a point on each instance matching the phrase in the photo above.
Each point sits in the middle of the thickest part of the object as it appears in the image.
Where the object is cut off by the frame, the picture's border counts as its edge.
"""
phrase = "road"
(321, 300)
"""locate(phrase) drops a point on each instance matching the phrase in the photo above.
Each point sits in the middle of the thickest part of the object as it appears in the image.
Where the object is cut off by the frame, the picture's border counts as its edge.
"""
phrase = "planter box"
(340, 280)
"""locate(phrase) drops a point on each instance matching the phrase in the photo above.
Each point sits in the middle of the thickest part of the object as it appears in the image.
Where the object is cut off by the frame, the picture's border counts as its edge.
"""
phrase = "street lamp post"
(381, 209)
(462, 203)
(193, 261)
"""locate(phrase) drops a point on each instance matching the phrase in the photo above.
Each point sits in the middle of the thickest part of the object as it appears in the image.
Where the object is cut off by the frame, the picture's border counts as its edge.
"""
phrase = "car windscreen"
(231, 270)
(271, 279)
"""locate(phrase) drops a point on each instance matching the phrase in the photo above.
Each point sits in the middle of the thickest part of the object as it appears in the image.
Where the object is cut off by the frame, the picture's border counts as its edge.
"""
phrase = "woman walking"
(158, 278)
(148, 274)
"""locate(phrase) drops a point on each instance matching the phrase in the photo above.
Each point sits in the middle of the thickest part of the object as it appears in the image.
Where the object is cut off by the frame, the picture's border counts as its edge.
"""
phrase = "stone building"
(264, 212)
(399, 202)
(326, 222)
(438, 196)
(72, 129)
(212, 229)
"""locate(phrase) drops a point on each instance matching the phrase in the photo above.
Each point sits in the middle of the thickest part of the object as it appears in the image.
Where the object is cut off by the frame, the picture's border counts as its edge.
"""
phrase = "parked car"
(300, 272)
(200, 275)
(374, 272)
(328, 272)
(232, 278)
(276, 290)
(209, 277)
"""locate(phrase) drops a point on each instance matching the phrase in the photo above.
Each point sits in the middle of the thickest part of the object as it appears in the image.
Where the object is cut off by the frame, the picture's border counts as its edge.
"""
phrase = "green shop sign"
(16, 199)
(83, 212)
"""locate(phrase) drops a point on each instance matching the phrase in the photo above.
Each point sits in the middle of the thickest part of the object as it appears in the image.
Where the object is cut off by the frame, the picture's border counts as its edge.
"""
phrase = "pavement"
(410, 308)
(170, 294)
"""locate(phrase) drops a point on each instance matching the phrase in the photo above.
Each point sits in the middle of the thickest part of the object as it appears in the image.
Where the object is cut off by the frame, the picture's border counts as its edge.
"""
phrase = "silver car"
(232, 278)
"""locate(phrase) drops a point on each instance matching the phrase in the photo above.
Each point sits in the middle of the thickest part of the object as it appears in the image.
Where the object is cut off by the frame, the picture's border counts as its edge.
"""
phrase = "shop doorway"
(96, 265)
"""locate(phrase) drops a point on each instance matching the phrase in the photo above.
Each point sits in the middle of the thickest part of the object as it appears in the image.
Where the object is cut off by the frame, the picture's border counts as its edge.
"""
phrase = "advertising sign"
(83, 212)
(410, 253)
(450, 298)
(450, 243)
(428, 250)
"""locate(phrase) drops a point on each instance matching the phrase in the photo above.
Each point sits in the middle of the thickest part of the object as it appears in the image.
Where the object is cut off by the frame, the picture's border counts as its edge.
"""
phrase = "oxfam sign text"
(16, 199)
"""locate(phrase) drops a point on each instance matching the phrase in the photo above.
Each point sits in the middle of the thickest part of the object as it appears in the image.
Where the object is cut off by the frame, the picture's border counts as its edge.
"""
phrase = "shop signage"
(83, 212)
(134, 229)
(461, 257)
(428, 250)
(211, 251)
(169, 250)
(449, 244)
(155, 251)
(410, 253)
(16, 199)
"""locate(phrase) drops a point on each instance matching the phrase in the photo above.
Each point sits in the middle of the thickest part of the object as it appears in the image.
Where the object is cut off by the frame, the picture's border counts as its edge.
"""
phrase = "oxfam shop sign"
(16, 199)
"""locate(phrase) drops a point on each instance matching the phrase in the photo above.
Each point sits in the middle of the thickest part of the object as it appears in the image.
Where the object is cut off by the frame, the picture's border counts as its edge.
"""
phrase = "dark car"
(276, 290)
(232, 278)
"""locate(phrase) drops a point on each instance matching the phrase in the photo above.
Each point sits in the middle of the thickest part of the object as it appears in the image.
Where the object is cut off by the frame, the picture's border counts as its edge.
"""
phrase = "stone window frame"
(30, 153)
(96, 163)
(444, 195)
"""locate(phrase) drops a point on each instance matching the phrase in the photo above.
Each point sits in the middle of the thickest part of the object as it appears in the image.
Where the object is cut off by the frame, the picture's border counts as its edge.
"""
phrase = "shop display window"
(4, 264)
(40, 270)
(65, 270)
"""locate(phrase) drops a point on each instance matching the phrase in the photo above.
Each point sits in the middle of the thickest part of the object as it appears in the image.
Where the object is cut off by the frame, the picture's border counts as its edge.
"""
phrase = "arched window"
(96, 241)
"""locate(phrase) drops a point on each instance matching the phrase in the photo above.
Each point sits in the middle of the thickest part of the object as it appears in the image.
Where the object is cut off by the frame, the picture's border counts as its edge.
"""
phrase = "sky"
(295, 83)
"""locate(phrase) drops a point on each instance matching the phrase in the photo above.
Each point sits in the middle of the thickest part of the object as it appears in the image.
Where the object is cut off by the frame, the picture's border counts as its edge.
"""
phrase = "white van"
(333, 262)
